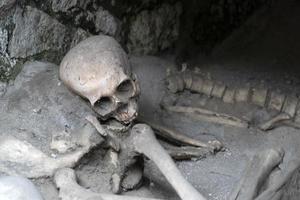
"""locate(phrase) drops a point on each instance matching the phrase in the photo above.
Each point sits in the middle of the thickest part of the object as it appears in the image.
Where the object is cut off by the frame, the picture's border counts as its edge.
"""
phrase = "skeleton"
(97, 69)
(286, 106)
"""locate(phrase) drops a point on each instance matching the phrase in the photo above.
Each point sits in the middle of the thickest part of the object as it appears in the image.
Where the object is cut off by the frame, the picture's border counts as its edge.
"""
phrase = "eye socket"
(104, 106)
(125, 90)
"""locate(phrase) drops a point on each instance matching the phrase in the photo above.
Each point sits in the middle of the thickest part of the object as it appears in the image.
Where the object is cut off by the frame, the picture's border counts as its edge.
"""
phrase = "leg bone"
(257, 172)
(275, 189)
(144, 142)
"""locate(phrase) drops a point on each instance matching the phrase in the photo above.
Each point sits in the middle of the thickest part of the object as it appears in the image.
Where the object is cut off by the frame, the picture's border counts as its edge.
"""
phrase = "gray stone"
(67, 5)
(5, 5)
(3, 40)
(152, 31)
(79, 35)
(106, 23)
(36, 32)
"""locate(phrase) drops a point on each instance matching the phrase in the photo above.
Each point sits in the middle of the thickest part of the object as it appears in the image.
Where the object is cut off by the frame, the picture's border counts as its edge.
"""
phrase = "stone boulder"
(155, 30)
(36, 32)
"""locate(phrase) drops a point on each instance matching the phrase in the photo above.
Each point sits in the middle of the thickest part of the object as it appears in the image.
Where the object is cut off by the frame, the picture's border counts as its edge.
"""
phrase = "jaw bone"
(21, 158)
(69, 189)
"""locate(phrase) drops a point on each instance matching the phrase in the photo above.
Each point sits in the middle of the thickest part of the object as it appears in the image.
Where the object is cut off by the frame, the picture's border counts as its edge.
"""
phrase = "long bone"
(180, 138)
(69, 189)
(277, 182)
(209, 116)
(256, 174)
(144, 142)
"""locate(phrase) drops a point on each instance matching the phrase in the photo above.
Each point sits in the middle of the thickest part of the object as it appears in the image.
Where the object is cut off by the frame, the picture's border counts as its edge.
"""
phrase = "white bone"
(69, 189)
(144, 142)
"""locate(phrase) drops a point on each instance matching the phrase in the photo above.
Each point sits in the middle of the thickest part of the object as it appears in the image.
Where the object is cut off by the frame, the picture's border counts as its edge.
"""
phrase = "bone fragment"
(197, 84)
(290, 105)
(270, 124)
(242, 94)
(180, 138)
(276, 101)
(258, 170)
(69, 189)
(229, 96)
(218, 90)
(209, 116)
(95, 122)
(259, 96)
(207, 87)
(188, 79)
(187, 152)
(21, 158)
(144, 142)
(175, 83)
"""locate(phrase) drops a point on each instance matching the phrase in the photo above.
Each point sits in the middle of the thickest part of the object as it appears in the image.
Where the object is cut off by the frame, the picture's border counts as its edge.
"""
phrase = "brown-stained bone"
(207, 115)
(144, 142)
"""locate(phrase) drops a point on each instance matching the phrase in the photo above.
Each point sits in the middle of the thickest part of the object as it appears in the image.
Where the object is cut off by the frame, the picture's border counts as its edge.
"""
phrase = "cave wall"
(47, 29)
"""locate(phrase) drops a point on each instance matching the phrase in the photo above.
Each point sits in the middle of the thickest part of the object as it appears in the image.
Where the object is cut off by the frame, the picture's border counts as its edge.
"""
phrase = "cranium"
(98, 70)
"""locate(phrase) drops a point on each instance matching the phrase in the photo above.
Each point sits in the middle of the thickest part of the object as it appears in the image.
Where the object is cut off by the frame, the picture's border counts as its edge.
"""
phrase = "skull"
(98, 70)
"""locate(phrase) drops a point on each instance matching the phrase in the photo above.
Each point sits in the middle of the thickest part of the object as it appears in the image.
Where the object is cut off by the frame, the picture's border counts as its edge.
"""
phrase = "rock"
(3, 88)
(3, 40)
(18, 188)
(67, 5)
(5, 5)
(35, 33)
(154, 30)
(79, 35)
(106, 23)
(7, 65)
